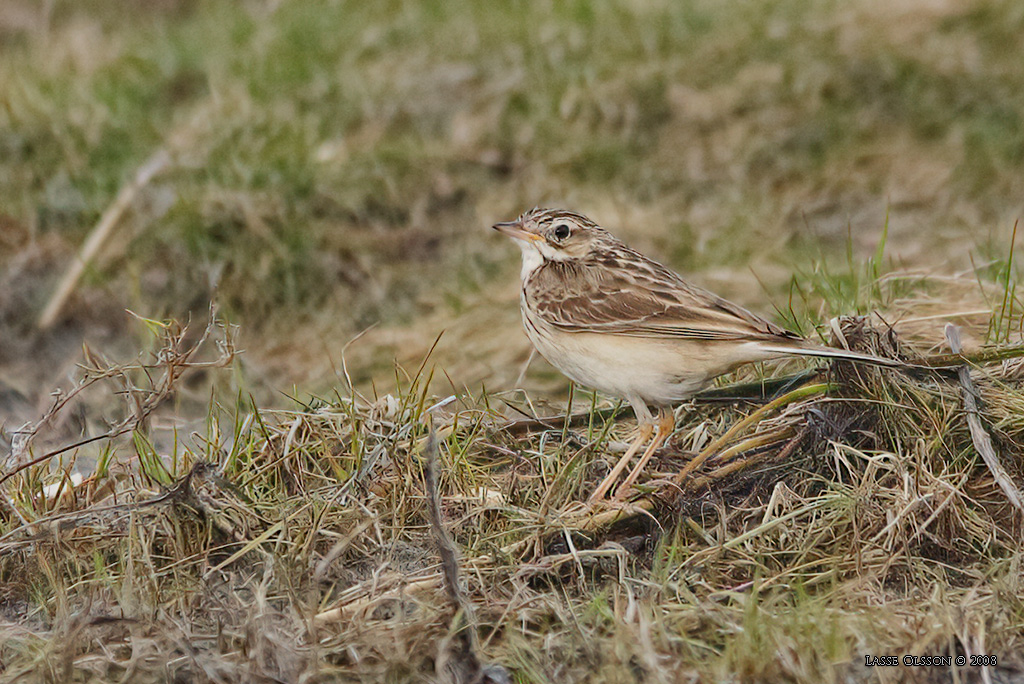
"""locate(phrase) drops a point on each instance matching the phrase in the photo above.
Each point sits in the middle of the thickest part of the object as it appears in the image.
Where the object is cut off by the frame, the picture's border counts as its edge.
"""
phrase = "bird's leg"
(666, 424)
(644, 431)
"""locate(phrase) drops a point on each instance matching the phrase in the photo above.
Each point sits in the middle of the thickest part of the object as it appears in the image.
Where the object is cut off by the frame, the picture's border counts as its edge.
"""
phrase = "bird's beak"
(514, 229)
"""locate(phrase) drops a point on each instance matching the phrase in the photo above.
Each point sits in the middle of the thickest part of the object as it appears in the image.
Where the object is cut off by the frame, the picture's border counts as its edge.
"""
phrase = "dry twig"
(980, 437)
(173, 358)
(457, 661)
(156, 163)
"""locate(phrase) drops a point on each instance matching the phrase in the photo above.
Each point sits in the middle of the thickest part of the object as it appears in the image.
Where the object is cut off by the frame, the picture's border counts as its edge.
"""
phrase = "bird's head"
(555, 235)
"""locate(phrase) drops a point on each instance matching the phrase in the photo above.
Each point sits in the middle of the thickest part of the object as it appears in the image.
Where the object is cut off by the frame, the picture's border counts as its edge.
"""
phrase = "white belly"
(618, 365)
(658, 371)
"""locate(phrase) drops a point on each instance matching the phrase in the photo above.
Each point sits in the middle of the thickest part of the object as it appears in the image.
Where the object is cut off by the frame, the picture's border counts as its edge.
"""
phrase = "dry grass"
(335, 167)
(287, 544)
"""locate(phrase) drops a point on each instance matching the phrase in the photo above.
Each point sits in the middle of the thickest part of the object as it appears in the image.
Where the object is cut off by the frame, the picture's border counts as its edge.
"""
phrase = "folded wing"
(638, 297)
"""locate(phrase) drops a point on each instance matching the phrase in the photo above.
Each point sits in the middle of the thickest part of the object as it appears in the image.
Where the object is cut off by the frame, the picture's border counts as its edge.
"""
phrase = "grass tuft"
(290, 542)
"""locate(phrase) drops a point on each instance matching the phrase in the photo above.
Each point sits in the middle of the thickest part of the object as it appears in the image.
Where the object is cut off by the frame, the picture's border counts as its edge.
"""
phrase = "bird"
(613, 320)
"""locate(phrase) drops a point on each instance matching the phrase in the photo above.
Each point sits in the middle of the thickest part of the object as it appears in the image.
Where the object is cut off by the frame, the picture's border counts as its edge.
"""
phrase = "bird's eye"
(561, 231)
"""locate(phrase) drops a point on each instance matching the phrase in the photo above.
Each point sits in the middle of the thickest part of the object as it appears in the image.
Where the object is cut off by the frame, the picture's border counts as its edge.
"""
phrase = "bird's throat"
(532, 260)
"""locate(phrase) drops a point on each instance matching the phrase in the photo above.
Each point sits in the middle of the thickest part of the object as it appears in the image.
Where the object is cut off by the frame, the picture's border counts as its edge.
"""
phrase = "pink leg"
(645, 430)
(666, 424)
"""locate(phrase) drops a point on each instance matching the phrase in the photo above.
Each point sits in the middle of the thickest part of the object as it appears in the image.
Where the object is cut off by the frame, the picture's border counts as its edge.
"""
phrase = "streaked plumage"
(611, 319)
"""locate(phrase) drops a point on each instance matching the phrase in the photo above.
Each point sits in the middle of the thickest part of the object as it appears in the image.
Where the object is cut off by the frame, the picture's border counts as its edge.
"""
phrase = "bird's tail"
(832, 353)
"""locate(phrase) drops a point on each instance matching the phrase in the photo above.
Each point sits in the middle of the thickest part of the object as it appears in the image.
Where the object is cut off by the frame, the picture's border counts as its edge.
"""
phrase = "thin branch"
(980, 437)
(156, 163)
(172, 358)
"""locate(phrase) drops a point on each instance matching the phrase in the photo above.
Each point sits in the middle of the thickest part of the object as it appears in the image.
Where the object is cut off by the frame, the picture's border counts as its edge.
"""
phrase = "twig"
(457, 661)
(978, 358)
(645, 505)
(405, 586)
(156, 163)
(756, 391)
(713, 448)
(172, 358)
(445, 546)
(982, 440)
(764, 389)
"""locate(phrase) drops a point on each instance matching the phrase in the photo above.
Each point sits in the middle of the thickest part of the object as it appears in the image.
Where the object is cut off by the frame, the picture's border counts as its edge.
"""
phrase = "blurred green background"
(337, 164)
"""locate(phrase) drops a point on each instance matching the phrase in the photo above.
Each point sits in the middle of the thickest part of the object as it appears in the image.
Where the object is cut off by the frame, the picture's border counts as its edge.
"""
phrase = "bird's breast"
(618, 365)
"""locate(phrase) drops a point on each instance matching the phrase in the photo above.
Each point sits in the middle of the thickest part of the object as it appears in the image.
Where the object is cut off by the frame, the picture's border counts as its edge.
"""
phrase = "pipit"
(613, 320)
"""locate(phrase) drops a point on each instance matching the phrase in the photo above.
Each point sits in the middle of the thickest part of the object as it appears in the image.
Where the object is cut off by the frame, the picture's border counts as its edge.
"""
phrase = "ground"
(335, 168)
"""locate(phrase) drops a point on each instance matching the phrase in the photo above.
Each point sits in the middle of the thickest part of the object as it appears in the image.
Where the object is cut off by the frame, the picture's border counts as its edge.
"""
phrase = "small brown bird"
(611, 319)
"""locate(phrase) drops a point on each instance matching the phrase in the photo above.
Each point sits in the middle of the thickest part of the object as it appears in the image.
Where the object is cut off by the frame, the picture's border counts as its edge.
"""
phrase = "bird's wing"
(647, 300)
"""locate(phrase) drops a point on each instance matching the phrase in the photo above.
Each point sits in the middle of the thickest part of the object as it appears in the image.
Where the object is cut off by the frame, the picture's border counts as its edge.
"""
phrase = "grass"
(377, 137)
(336, 167)
(280, 544)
